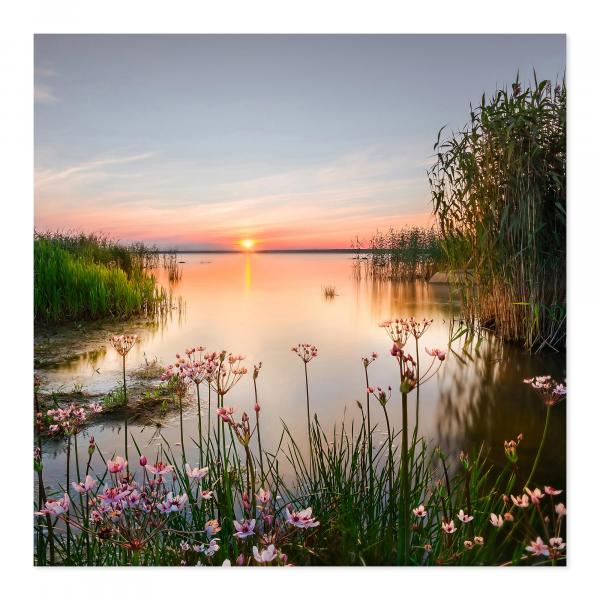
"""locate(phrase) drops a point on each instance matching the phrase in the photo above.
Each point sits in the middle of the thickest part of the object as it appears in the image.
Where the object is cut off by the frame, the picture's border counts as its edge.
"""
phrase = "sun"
(247, 244)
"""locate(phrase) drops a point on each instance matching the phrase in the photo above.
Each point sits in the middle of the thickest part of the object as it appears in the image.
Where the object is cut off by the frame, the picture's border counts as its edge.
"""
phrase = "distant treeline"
(79, 276)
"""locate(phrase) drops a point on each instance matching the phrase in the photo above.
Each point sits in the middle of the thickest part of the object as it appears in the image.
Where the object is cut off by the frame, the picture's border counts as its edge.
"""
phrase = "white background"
(20, 20)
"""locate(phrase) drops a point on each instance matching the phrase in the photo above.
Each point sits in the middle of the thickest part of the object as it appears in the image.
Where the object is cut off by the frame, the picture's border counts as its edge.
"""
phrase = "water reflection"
(262, 304)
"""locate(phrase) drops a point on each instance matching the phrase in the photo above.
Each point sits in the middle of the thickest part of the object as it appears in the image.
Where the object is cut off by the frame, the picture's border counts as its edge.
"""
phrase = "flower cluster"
(306, 352)
(549, 390)
(123, 343)
(66, 421)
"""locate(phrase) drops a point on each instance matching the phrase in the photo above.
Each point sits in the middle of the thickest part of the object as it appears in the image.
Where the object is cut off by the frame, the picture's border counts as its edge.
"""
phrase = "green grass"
(79, 277)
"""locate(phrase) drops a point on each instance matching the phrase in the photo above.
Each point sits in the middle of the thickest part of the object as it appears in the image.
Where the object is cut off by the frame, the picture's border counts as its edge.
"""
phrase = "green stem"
(308, 419)
(390, 457)
(126, 415)
(260, 454)
(199, 424)
(539, 452)
(181, 428)
(405, 486)
(67, 491)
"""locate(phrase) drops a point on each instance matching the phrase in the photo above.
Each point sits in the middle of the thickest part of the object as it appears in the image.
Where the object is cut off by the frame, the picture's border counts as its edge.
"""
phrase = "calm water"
(262, 304)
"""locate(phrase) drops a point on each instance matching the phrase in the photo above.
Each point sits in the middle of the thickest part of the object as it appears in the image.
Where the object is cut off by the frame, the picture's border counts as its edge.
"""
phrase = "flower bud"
(257, 407)
(143, 460)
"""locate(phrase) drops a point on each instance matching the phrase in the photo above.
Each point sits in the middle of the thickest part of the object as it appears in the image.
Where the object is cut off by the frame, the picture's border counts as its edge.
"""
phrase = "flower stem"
(405, 485)
(539, 452)
(199, 423)
(308, 419)
(126, 411)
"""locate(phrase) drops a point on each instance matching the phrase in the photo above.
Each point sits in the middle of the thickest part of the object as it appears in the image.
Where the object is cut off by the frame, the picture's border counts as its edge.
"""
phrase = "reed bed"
(499, 195)
(336, 498)
(407, 254)
(87, 277)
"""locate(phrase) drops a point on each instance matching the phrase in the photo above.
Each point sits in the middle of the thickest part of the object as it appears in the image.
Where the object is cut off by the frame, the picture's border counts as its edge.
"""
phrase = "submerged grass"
(87, 277)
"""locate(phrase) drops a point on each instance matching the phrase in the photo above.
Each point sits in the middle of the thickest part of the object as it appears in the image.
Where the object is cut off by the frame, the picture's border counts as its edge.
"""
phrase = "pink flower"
(538, 548)
(305, 351)
(520, 501)
(244, 529)
(552, 491)
(263, 496)
(536, 495)
(419, 512)
(496, 520)
(212, 527)
(172, 503)
(95, 407)
(196, 473)
(302, 519)
(561, 510)
(159, 469)
(84, 486)
(478, 540)
(55, 507)
(440, 354)
(117, 465)
(448, 527)
(266, 555)
(207, 494)
(556, 543)
(225, 413)
(464, 517)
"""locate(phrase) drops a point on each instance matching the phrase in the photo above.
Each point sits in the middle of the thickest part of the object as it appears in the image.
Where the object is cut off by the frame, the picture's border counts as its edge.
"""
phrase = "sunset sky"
(199, 142)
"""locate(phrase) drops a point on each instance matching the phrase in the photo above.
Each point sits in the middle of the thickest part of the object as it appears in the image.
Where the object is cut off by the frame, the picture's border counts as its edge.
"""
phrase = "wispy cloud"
(52, 175)
(43, 94)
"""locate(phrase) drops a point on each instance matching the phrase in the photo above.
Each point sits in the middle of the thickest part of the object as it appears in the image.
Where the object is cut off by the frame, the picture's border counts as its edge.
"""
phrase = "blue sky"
(295, 141)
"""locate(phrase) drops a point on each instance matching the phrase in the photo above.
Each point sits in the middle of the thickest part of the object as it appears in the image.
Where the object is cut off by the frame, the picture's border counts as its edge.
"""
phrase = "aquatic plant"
(499, 195)
(406, 254)
(123, 345)
(79, 277)
(329, 292)
(357, 503)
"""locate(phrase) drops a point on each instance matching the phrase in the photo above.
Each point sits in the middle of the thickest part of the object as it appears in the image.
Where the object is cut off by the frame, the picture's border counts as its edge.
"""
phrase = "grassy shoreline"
(90, 277)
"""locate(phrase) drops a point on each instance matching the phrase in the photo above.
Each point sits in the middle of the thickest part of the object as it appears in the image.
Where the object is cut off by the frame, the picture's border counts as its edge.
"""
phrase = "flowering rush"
(84, 486)
(462, 516)
(159, 469)
(55, 508)
(172, 503)
(448, 527)
(305, 351)
(244, 529)
(123, 343)
(117, 465)
(197, 473)
(266, 555)
(302, 519)
(549, 390)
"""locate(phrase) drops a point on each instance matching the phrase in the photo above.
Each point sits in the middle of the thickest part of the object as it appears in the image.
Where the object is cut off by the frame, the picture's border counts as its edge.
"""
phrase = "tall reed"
(499, 195)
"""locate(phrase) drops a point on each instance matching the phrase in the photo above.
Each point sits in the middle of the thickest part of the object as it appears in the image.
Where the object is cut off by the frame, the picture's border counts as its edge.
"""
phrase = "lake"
(260, 305)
